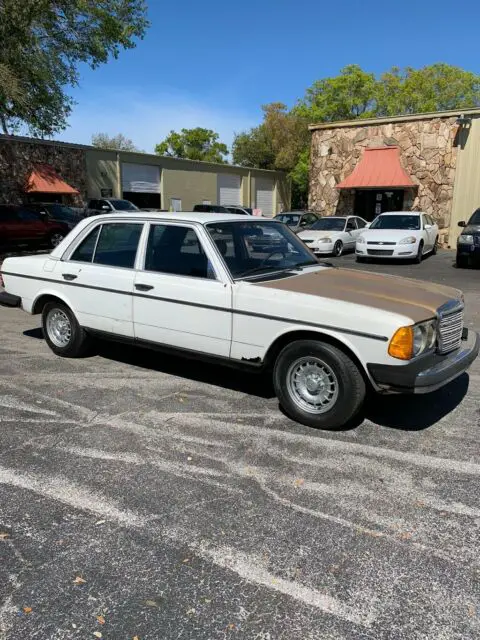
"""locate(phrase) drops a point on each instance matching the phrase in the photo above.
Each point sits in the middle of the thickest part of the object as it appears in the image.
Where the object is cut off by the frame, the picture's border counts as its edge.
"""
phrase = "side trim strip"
(239, 312)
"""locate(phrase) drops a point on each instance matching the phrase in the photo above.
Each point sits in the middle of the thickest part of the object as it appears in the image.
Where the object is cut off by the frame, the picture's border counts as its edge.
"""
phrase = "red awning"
(44, 179)
(379, 167)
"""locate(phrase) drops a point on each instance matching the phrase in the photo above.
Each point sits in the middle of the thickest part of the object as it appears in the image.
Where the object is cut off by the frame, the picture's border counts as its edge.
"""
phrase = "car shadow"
(34, 333)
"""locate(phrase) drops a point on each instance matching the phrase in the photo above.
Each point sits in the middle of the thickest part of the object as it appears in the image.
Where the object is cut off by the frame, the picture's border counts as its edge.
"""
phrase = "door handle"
(143, 287)
(69, 276)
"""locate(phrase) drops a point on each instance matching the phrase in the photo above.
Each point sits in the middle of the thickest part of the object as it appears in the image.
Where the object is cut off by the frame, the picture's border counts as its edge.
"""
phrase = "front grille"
(450, 330)
(380, 252)
(382, 243)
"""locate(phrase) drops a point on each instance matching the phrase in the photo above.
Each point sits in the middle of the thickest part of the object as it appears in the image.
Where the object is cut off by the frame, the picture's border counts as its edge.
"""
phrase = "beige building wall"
(102, 173)
(466, 195)
(190, 186)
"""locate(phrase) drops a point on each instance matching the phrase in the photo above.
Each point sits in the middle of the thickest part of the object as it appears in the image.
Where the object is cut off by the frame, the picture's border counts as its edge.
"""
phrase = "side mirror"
(428, 227)
(105, 208)
(367, 226)
(462, 223)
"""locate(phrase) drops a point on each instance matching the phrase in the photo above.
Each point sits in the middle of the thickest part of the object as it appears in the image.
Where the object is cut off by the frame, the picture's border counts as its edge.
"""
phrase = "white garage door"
(229, 189)
(140, 178)
(264, 195)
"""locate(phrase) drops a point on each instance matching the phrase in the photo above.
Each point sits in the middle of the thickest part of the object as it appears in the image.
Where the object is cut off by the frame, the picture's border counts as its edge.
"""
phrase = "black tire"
(435, 247)
(419, 256)
(338, 248)
(350, 389)
(462, 262)
(78, 341)
(55, 238)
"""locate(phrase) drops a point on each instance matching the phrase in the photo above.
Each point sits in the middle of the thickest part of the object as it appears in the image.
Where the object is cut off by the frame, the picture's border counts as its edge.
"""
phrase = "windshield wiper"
(259, 270)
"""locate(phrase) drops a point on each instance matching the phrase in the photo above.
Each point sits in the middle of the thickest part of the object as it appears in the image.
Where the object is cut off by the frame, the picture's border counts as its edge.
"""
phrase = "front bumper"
(468, 250)
(428, 373)
(396, 251)
(322, 248)
(9, 300)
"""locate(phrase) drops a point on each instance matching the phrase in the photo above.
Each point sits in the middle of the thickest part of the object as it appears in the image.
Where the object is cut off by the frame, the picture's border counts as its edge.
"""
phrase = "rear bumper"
(9, 300)
(427, 374)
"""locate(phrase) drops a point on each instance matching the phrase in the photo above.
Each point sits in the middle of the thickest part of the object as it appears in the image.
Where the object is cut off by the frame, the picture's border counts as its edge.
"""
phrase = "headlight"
(409, 342)
(361, 240)
(325, 240)
(409, 240)
(465, 239)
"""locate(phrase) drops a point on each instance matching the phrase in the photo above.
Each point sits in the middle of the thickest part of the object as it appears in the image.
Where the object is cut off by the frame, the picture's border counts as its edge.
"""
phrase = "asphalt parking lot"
(151, 497)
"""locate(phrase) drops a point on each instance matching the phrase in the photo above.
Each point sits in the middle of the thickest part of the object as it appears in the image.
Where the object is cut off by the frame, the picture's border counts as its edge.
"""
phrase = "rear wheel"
(318, 385)
(338, 248)
(63, 334)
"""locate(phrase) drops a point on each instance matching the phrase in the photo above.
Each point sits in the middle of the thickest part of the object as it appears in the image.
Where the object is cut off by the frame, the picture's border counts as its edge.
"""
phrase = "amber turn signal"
(401, 345)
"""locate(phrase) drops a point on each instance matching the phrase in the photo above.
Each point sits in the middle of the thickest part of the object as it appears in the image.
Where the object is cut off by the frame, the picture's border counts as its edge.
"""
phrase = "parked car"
(298, 220)
(191, 283)
(57, 212)
(333, 234)
(21, 225)
(110, 205)
(468, 245)
(210, 208)
(241, 211)
(399, 234)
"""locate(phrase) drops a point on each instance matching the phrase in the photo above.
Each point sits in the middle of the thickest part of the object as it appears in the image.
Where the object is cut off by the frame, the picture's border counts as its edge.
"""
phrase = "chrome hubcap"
(59, 328)
(312, 385)
(56, 239)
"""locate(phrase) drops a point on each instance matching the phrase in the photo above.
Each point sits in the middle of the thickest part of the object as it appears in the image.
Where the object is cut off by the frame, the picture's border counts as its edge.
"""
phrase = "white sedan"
(407, 235)
(333, 234)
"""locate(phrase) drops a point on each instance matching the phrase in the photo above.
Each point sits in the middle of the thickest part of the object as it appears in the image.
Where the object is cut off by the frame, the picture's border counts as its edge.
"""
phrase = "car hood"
(471, 229)
(412, 298)
(314, 234)
(388, 235)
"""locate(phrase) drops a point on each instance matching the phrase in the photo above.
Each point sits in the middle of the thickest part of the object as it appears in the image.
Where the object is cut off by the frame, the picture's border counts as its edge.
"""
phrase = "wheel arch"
(47, 296)
(293, 335)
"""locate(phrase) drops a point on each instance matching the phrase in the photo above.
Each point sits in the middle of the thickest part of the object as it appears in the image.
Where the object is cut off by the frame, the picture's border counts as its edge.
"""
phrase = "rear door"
(351, 231)
(182, 296)
(98, 276)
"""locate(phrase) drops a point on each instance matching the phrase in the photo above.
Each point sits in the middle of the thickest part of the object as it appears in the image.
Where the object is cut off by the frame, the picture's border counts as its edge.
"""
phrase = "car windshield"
(475, 219)
(60, 212)
(260, 248)
(291, 219)
(123, 205)
(329, 224)
(404, 222)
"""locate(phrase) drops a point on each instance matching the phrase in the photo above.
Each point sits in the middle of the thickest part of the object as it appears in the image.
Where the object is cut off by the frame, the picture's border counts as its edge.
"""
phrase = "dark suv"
(20, 225)
(210, 208)
(468, 245)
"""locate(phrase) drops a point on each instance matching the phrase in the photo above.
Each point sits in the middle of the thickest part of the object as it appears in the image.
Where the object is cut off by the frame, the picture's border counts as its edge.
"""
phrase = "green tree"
(44, 42)
(118, 142)
(193, 144)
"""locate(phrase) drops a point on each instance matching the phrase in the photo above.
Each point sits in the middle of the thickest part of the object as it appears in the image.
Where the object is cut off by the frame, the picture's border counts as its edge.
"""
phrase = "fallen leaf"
(419, 503)
(79, 580)
(100, 522)
(101, 620)
(405, 535)
(186, 560)
(191, 612)
(136, 638)
(74, 625)
(151, 603)
(471, 611)
(231, 626)
(27, 609)
(97, 634)
(299, 482)
(189, 458)
(4, 535)
(206, 600)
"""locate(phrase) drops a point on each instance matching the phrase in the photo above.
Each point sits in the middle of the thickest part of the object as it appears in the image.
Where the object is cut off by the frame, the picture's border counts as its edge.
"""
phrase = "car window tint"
(177, 250)
(360, 223)
(27, 215)
(84, 251)
(117, 245)
(310, 218)
(351, 224)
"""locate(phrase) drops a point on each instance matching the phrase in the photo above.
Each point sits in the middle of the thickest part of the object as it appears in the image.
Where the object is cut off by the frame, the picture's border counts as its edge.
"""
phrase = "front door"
(180, 297)
(98, 277)
(369, 203)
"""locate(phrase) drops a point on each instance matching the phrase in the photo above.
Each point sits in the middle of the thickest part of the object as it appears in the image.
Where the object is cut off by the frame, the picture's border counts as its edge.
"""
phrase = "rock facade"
(428, 153)
(17, 159)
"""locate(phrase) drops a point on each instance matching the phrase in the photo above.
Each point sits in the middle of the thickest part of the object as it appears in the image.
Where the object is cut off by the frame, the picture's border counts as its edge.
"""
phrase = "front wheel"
(63, 334)
(462, 262)
(318, 385)
(435, 247)
(56, 238)
(419, 256)
(338, 249)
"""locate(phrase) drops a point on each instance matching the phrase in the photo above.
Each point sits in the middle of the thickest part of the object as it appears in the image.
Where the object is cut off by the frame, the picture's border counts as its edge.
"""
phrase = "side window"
(176, 250)
(360, 223)
(27, 215)
(351, 224)
(117, 245)
(84, 251)
(93, 204)
(310, 218)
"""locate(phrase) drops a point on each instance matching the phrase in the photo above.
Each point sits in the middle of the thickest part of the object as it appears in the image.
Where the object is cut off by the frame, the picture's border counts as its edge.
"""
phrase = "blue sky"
(213, 63)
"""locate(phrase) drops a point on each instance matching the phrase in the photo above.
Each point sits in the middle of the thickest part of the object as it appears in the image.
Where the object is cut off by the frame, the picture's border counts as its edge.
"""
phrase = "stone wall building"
(417, 162)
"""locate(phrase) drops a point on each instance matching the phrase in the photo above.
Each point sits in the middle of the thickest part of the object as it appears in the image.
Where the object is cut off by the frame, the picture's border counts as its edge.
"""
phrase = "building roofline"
(86, 147)
(362, 122)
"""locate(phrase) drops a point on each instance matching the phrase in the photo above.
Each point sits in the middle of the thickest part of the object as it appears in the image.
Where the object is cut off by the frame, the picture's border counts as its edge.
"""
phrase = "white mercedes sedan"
(407, 235)
(333, 234)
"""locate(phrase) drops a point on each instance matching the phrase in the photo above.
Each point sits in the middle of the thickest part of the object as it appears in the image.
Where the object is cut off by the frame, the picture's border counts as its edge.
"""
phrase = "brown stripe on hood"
(412, 298)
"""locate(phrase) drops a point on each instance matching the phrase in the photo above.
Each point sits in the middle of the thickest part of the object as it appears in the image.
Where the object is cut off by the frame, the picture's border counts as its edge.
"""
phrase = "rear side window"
(113, 245)
(27, 215)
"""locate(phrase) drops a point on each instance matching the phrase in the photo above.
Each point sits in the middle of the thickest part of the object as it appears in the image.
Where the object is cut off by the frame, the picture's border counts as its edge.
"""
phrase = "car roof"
(184, 216)
(402, 213)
